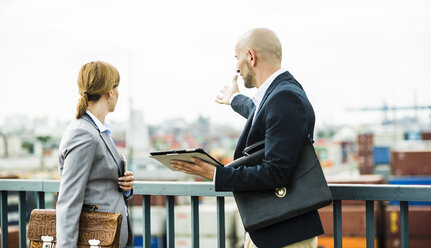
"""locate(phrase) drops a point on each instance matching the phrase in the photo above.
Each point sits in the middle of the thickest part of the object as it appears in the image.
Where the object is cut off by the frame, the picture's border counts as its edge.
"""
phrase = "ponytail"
(82, 105)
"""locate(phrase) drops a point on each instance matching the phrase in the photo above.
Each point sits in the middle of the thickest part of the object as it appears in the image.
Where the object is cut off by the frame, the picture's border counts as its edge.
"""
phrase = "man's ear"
(252, 55)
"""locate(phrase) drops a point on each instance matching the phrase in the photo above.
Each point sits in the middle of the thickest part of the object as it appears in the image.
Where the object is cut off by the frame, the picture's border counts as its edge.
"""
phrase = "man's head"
(259, 53)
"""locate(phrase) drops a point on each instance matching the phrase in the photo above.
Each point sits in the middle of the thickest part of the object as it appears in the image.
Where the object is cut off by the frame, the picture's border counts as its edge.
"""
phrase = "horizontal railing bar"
(366, 192)
(51, 185)
(376, 192)
(177, 189)
(21, 185)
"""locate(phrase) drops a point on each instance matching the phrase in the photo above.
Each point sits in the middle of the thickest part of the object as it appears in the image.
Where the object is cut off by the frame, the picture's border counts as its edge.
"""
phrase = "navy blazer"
(284, 120)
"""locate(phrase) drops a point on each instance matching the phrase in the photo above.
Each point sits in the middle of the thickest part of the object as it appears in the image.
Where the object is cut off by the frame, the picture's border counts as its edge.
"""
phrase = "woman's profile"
(92, 171)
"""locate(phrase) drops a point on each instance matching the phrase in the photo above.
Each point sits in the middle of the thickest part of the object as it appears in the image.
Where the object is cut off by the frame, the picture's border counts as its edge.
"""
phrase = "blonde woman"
(91, 169)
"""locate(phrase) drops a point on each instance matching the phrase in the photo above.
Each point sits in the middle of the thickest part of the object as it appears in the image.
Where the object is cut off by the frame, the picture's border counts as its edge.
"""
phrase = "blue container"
(411, 180)
(156, 242)
(382, 155)
(412, 135)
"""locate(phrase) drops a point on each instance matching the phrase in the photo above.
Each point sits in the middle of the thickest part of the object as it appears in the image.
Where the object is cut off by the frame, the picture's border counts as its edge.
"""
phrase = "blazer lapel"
(274, 84)
(113, 150)
(109, 144)
(243, 138)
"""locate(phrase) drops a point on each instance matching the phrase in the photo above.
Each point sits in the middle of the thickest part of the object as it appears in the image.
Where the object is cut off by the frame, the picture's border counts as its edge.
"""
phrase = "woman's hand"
(126, 181)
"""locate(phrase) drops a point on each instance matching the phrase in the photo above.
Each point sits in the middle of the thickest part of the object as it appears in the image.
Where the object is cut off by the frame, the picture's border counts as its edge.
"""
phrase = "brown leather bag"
(104, 227)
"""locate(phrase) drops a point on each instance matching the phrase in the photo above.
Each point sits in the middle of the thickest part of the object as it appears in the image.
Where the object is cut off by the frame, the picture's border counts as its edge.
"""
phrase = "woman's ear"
(110, 93)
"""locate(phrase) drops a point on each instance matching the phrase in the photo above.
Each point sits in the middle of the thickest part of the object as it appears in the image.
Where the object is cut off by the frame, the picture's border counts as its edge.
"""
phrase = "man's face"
(244, 68)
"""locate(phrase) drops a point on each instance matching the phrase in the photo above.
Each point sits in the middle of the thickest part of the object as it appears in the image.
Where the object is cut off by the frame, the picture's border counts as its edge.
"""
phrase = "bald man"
(280, 114)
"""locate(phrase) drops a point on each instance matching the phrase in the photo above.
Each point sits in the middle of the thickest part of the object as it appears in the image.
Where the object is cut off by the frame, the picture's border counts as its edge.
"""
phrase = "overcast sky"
(174, 56)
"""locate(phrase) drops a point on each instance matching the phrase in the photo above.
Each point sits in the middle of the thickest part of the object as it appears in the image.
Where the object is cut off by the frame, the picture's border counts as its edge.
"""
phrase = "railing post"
(41, 200)
(170, 228)
(195, 221)
(146, 236)
(404, 223)
(4, 220)
(221, 234)
(22, 220)
(370, 223)
(338, 235)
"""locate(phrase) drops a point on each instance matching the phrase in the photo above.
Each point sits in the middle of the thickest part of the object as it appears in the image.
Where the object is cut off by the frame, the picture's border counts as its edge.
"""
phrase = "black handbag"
(307, 191)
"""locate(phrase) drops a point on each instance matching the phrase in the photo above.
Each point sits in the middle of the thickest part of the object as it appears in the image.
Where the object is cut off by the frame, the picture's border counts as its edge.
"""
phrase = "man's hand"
(196, 167)
(227, 92)
(126, 182)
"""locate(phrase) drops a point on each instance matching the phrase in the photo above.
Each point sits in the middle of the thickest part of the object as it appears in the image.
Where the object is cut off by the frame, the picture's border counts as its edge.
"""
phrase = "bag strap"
(89, 207)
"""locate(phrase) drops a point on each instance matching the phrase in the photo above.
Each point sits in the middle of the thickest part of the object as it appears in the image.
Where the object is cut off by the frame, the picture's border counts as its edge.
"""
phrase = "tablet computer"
(165, 157)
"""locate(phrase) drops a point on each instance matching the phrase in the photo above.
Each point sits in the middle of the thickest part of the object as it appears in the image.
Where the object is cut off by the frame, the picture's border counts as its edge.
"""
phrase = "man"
(280, 114)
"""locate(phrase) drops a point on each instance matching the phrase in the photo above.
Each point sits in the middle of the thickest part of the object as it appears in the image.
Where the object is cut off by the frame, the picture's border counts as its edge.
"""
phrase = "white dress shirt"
(257, 98)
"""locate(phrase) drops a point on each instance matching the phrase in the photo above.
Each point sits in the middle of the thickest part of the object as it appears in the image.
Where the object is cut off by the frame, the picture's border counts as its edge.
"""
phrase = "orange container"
(13, 236)
(348, 242)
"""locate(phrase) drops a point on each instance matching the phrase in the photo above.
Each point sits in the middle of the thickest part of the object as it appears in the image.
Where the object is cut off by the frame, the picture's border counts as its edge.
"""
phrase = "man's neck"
(265, 74)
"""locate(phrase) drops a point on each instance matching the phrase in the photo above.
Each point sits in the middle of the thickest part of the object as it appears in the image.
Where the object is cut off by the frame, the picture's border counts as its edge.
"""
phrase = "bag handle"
(251, 149)
(89, 207)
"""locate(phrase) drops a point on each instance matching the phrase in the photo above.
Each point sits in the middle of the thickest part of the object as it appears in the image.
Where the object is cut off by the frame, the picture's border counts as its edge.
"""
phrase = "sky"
(174, 56)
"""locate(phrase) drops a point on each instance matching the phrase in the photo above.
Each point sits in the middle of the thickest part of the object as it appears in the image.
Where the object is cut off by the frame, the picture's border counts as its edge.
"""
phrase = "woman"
(90, 167)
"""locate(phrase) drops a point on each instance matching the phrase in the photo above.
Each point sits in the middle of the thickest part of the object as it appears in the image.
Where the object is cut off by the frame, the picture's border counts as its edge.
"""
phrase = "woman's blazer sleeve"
(77, 155)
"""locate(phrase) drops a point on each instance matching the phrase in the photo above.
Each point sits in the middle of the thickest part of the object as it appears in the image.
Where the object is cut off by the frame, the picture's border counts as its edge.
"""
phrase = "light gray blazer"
(89, 167)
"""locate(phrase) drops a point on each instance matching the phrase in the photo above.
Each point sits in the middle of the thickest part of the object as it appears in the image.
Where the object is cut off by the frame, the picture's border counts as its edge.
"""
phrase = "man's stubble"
(250, 78)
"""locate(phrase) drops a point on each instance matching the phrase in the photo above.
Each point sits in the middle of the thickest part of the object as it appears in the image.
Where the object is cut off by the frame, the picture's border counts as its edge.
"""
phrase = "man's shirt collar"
(257, 98)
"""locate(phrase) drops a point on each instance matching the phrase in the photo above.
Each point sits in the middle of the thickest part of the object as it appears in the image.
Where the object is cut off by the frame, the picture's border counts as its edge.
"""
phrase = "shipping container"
(426, 135)
(365, 144)
(412, 135)
(348, 242)
(156, 242)
(366, 160)
(366, 170)
(366, 164)
(413, 243)
(353, 220)
(381, 155)
(419, 222)
(411, 180)
(405, 163)
(13, 236)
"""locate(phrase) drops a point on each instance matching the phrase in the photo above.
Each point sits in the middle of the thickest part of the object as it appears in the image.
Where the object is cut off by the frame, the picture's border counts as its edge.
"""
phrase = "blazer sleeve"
(243, 105)
(78, 155)
(286, 130)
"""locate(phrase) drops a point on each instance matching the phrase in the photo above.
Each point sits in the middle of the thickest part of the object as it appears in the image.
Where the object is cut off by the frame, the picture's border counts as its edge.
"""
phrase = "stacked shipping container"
(365, 154)
(353, 217)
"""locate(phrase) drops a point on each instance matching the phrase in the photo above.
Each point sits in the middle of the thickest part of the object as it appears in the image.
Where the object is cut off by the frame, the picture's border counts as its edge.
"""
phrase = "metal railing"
(340, 192)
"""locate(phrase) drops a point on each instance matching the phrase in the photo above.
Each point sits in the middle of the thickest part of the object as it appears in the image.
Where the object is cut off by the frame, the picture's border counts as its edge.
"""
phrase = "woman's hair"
(94, 80)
